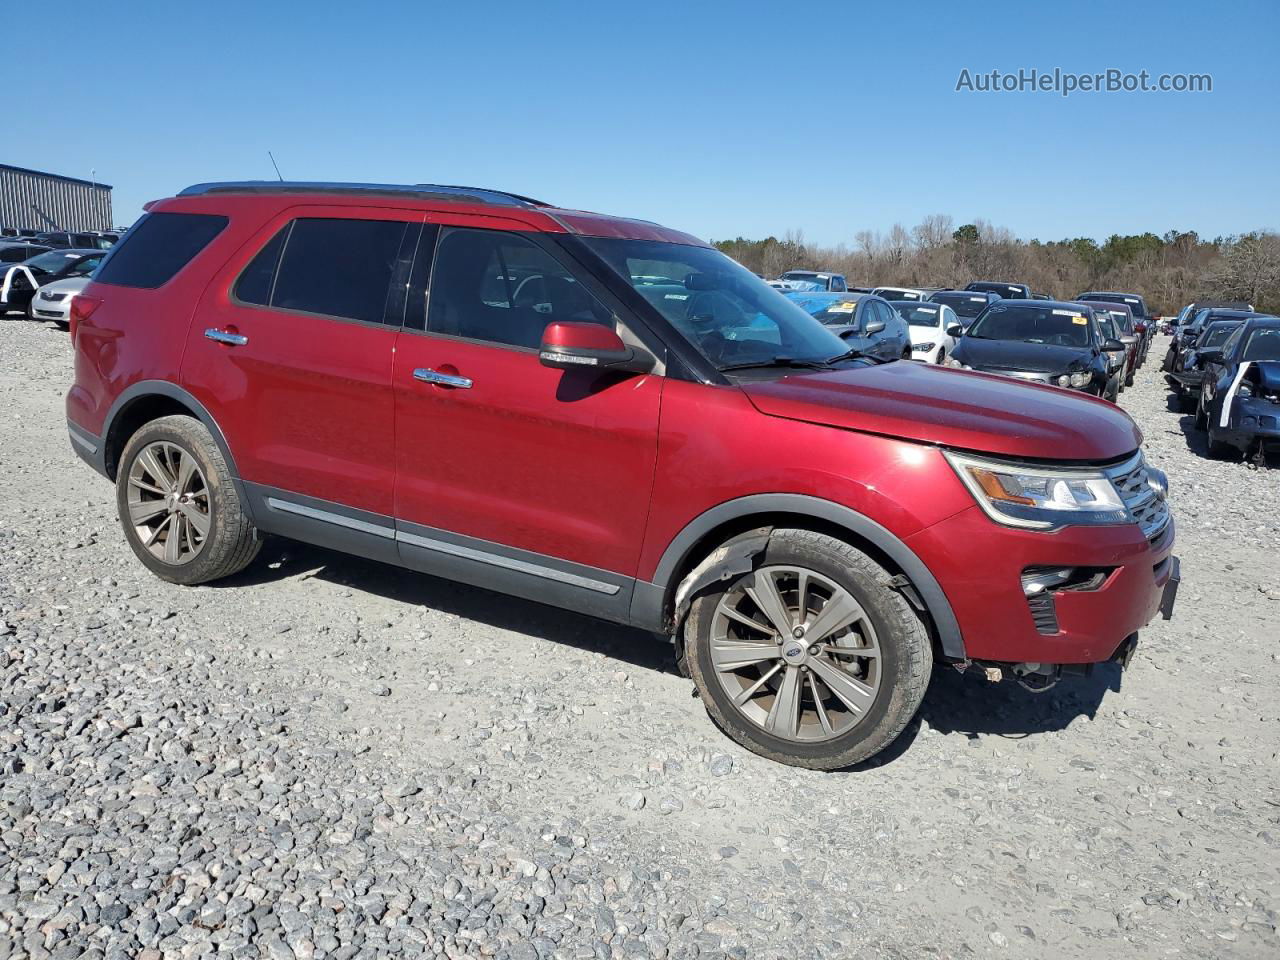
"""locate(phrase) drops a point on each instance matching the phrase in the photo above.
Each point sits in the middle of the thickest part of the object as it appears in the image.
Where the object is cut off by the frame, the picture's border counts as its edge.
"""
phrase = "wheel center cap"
(794, 653)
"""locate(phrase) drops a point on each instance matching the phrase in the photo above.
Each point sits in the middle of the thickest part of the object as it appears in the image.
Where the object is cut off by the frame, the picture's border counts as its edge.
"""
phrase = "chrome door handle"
(427, 375)
(231, 339)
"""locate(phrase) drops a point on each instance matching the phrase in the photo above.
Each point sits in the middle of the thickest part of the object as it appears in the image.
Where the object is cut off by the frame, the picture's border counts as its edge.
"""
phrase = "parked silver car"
(53, 300)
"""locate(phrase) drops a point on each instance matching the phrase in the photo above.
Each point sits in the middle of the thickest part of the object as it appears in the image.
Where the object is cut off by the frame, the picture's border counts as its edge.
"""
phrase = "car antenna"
(276, 165)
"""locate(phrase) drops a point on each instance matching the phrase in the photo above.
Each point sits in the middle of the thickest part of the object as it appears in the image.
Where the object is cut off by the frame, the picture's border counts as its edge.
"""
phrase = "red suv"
(610, 416)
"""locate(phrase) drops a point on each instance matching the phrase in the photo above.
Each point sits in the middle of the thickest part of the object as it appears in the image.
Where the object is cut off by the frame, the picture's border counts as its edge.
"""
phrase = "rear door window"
(339, 267)
(157, 247)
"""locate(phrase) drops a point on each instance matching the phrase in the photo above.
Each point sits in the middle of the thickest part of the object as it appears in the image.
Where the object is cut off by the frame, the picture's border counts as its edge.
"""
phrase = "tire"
(1128, 379)
(159, 450)
(1202, 417)
(834, 736)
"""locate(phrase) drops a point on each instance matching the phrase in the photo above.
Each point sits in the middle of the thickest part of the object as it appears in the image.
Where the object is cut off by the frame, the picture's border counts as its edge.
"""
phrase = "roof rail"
(427, 190)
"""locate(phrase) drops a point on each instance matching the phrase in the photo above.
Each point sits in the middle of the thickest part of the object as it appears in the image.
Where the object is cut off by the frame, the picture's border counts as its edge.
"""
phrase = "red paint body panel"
(980, 565)
(555, 462)
(955, 408)
(716, 447)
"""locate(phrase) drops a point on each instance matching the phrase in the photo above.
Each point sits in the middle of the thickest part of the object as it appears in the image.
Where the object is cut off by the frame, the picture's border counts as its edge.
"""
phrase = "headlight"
(1039, 499)
(953, 362)
(1244, 390)
(923, 346)
(1080, 379)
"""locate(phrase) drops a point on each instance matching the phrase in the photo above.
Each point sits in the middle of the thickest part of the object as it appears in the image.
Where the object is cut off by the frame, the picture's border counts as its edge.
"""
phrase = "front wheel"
(812, 659)
(179, 506)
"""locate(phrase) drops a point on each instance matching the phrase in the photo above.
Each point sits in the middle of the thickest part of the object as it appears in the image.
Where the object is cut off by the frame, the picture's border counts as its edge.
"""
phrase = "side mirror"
(1210, 356)
(955, 330)
(1111, 345)
(874, 327)
(570, 345)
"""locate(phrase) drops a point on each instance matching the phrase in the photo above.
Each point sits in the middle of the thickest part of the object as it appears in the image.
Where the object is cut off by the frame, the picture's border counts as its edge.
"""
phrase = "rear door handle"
(222, 336)
(427, 375)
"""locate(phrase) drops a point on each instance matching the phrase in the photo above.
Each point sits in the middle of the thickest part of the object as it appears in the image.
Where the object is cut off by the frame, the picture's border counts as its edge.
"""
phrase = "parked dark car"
(1137, 305)
(1187, 335)
(1049, 342)
(64, 240)
(1188, 374)
(1126, 332)
(22, 280)
(1117, 362)
(18, 251)
(1240, 396)
(865, 322)
(966, 303)
(1009, 291)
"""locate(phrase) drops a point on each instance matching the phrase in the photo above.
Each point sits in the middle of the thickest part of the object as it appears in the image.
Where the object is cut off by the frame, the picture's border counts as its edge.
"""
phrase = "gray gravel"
(332, 758)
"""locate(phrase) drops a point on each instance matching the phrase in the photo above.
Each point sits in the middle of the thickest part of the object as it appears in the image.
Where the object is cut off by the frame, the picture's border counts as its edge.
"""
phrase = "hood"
(1268, 374)
(1018, 355)
(69, 285)
(953, 408)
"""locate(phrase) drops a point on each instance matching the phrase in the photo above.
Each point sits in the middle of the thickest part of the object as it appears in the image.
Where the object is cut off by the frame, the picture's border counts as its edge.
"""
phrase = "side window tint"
(157, 247)
(254, 285)
(339, 268)
(503, 288)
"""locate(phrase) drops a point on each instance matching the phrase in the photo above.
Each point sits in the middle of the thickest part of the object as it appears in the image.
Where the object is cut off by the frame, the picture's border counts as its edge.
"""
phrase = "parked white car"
(53, 300)
(933, 328)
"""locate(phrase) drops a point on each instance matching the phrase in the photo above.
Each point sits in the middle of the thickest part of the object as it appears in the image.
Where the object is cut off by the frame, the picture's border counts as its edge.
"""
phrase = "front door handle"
(427, 375)
(222, 336)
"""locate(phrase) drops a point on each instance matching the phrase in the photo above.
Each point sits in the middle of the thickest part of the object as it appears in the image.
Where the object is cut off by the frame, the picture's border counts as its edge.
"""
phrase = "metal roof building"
(35, 201)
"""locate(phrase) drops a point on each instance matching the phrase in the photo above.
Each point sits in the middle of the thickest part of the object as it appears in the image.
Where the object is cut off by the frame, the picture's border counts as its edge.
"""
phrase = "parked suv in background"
(613, 417)
(814, 280)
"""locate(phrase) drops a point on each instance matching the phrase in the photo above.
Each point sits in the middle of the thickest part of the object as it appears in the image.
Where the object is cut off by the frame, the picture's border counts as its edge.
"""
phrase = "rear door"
(511, 474)
(292, 352)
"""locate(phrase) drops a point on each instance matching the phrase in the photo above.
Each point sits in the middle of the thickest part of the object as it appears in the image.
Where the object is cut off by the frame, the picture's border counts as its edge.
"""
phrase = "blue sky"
(722, 119)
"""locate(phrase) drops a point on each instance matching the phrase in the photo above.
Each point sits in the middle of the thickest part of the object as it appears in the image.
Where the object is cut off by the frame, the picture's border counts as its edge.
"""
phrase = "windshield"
(728, 313)
(838, 310)
(1009, 291)
(50, 262)
(1216, 335)
(967, 305)
(897, 293)
(1263, 345)
(919, 315)
(1123, 322)
(1049, 325)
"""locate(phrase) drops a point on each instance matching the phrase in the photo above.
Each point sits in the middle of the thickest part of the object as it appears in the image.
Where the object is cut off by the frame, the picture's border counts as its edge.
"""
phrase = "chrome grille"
(1143, 499)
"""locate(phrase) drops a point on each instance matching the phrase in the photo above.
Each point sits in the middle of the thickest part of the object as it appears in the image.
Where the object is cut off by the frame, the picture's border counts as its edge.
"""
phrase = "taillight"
(81, 309)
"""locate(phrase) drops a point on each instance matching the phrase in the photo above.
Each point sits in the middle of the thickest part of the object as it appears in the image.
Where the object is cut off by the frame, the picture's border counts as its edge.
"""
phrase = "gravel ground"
(327, 757)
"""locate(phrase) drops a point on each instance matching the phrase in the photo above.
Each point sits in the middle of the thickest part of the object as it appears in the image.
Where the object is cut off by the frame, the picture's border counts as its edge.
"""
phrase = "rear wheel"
(179, 506)
(811, 659)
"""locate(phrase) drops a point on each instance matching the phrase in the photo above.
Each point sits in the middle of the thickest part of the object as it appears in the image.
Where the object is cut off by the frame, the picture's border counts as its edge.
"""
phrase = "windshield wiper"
(784, 361)
(779, 362)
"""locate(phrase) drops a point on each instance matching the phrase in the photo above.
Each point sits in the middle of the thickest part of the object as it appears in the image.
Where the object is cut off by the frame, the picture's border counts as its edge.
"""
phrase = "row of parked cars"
(613, 417)
(40, 272)
(1223, 366)
(1094, 343)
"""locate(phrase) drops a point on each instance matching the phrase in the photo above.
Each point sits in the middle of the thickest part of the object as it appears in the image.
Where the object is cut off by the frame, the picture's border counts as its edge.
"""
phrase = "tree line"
(1170, 270)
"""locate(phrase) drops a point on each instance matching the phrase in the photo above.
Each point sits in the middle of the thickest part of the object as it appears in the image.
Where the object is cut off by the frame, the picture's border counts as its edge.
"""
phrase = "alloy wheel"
(796, 654)
(168, 501)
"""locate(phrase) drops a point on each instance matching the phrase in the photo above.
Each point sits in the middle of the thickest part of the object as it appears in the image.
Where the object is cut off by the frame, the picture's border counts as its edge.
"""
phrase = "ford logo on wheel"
(793, 651)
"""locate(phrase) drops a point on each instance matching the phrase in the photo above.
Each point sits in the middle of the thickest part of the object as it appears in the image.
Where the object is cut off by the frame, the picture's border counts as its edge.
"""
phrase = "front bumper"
(1252, 419)
(979, 565)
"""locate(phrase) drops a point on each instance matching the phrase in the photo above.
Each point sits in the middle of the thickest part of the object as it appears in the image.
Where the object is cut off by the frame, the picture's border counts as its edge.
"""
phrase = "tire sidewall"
(869, 735)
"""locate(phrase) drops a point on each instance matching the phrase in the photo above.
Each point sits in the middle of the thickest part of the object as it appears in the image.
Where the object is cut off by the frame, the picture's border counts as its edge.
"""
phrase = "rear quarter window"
(157, 247)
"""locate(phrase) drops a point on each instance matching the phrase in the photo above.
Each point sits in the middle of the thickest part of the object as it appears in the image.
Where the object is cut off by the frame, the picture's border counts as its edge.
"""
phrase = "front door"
(510, 473)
